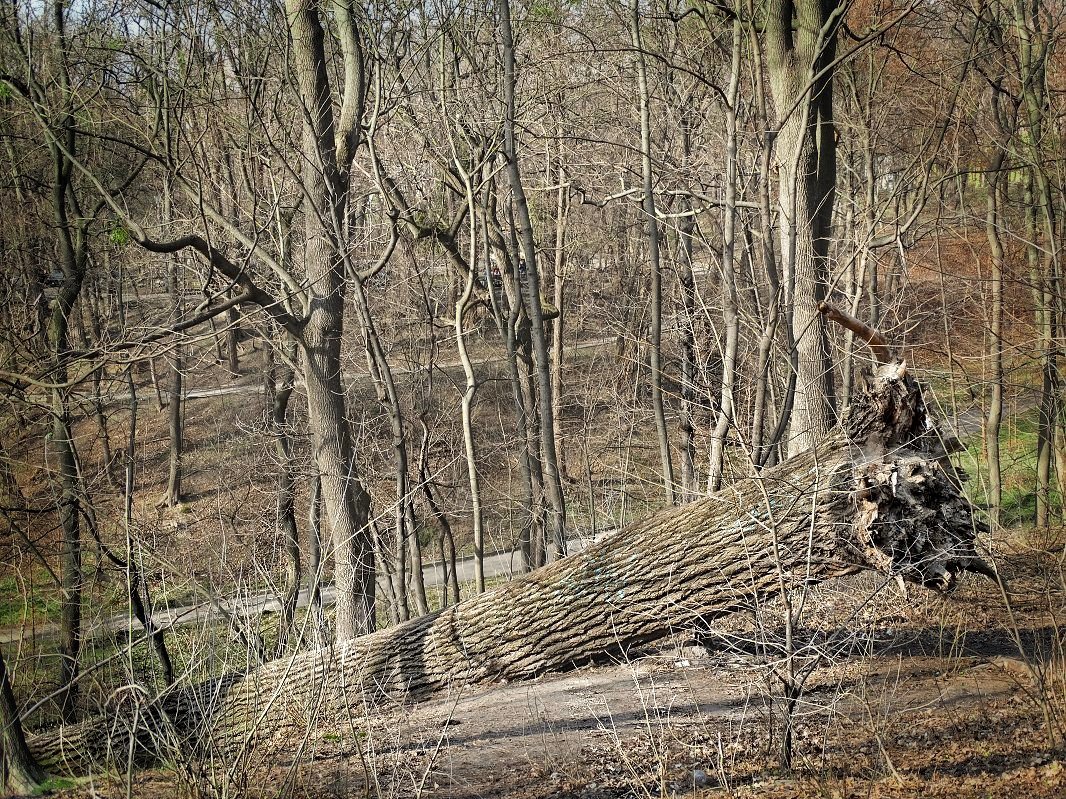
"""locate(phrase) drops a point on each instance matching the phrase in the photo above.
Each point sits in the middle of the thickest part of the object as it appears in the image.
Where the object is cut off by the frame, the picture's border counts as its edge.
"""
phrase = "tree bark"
(994, 419)
(462, 303)
(175, 416)
(175, 425)
(1033, 47)
(233, 330)
(19, 772)
(562, 211)
(763, 447)
(449, 593)
(282, 387)
(552, 479)
(136, 585)
(687, 327)
(800, 46)
(346, 503)
(873, 495)
(655, 334)
(72, 252)
(319, 625)
(716, 461)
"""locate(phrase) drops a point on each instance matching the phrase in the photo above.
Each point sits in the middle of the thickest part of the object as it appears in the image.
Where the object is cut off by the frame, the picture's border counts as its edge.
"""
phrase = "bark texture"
(345, 501)
(19, 773)
(800, 50)
(873, 495)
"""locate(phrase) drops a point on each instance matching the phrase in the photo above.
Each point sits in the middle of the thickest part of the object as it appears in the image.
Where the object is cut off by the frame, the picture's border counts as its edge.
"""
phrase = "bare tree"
(729, 281)
(655, 335)
(552, 479)
(801, 49)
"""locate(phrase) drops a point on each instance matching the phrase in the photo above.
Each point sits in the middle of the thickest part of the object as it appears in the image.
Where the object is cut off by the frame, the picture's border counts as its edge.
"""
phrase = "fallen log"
(873, 496)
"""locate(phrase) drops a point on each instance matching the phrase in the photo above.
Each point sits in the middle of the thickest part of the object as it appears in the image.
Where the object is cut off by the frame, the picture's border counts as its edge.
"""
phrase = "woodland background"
(310, 296)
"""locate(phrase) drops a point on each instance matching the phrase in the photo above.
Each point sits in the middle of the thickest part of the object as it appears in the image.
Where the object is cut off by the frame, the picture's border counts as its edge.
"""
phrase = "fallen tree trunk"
(872, 496)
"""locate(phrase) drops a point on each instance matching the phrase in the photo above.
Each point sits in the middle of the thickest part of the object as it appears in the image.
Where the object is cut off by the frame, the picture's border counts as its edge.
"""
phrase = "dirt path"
(582, 348)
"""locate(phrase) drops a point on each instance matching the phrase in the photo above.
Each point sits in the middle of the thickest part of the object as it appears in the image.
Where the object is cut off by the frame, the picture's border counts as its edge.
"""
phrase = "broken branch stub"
(878, 343)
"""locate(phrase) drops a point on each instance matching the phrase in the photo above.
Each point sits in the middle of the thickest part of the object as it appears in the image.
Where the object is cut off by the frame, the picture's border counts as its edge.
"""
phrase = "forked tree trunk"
(345, 500)
(462, 304)
(800, 49)
(872, 495)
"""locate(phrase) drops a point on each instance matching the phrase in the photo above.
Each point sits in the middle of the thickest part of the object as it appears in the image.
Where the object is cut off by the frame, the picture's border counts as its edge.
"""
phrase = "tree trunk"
(315, 566)
(90, 308)
(509, 319)
(233, 329)
(801, 37)
(872, 495)
(154, 377)
(552, 480)
(408, 549)
(19, 773)
(716, 464)
(345, 502)
(72, 251)
(281, 390)
(531, 530)
(449, 592)
(70, 558)
(687, 329)
(136, 585)
(462, 303)
(175, 403)
(1044, 313)
(655, 335)
(764, 447)
(562, 209)
(1034, 43)
(173, 496)
(993, 221)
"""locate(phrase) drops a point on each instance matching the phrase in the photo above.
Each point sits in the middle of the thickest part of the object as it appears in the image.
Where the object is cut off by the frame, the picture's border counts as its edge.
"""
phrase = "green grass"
(32, 597)
(53, 784)
(1018, 437)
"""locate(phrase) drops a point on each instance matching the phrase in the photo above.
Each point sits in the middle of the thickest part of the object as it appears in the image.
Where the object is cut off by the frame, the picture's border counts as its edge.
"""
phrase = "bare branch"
(878, 345)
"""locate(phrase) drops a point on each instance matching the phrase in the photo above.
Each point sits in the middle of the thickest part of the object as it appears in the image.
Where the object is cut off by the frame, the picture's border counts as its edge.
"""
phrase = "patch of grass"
(1017, 442)
(53, 784)
(30, 597)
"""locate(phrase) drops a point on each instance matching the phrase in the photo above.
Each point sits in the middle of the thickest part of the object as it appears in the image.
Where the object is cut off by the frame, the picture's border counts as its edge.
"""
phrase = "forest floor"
(919, 696)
